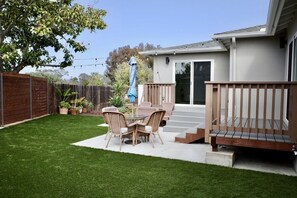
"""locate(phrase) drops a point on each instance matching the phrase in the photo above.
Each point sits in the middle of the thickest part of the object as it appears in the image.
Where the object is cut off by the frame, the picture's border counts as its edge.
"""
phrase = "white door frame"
(192, 76)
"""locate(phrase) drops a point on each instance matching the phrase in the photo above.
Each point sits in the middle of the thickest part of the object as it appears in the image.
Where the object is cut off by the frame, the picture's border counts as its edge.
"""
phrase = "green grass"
(38, 160)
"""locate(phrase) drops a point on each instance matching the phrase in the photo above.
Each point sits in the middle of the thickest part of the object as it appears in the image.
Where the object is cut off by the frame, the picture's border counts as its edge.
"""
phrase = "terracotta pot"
(63, 111)
(73, 111)
(84, 110)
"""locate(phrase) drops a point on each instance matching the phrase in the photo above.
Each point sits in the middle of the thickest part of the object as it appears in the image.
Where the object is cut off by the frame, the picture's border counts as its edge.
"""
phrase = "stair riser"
(182, 124)
(173, 129)
(187, 119)
(184, 113)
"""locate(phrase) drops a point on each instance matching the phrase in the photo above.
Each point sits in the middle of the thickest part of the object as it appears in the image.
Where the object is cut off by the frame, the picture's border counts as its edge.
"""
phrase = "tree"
(94, 78)
(123, 54)
(53, 76)
(144, 74)
(30, 28)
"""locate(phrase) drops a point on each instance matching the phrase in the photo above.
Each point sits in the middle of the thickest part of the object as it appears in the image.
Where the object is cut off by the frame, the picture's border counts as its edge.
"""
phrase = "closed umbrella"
(132, 79)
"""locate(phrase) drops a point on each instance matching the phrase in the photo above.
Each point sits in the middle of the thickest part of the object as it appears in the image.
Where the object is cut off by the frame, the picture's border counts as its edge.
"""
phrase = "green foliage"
(117, 99)
(77, 102)
(64, 95)
(53, 76)
(28, 29)
(122, 55)
(144, 74)
(64, 104)
(87, 104)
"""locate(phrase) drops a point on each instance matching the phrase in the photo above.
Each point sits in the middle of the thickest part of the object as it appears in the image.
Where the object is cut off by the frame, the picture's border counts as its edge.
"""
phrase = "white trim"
(240, 35)
(274, 12)
(192, 61)
(183, 51)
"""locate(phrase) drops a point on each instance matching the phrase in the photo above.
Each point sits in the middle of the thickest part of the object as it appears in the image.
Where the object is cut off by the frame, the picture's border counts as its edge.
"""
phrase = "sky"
(160, 22)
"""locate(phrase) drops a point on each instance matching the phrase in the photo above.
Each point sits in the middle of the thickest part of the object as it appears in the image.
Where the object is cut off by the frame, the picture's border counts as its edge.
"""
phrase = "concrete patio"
(250, 159)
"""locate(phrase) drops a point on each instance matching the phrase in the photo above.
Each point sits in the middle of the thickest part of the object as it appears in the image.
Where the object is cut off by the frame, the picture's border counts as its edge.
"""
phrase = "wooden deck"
(270, 109)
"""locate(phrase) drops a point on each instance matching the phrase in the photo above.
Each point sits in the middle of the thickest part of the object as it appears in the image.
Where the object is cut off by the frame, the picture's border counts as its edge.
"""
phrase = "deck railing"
(156, 93)
(252, 107)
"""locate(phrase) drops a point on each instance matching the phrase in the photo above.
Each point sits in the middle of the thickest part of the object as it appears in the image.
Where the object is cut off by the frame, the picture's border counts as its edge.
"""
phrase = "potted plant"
(63, 107)
(87, 105)
(64, 104)
(77, 105)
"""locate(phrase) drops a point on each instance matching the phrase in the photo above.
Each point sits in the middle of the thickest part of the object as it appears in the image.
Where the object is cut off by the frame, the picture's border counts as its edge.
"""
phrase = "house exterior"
(246, 79)
(261, 53)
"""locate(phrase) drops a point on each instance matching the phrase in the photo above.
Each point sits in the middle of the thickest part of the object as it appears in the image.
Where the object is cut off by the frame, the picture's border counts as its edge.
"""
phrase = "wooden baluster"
(273, 109)
(281, 116)
(219, 108)
(233, 107)
(241, 106)
(257, 109)
(226, 106)
(265, 109)
(249, 107)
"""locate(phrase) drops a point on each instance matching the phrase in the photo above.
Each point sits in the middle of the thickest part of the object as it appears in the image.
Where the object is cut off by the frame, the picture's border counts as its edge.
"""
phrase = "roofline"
(182, 51)
(274, 12)
(240, 35)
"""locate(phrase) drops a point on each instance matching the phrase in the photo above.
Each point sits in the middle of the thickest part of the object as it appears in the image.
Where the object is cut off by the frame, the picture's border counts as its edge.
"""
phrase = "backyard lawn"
(38, 160)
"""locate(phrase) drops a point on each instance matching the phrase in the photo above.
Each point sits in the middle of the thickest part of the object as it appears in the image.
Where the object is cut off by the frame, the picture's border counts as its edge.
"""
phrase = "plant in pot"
(87, 105)
(63, 107)
(77, 105)
(64, 104)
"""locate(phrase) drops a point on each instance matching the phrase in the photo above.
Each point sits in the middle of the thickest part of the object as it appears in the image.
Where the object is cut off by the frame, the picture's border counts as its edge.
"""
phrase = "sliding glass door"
(189, 79)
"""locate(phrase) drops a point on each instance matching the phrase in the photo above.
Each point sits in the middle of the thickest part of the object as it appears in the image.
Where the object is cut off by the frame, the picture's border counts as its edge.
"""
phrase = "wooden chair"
(108, 109)
(151, 126)
(168, 107)
(119, 127)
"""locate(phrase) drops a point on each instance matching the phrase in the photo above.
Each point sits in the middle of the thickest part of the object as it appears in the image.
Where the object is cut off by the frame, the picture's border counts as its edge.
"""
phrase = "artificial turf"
(38, 160)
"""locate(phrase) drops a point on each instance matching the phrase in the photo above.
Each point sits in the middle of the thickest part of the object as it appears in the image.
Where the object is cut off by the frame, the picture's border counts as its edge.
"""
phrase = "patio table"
(134, 118)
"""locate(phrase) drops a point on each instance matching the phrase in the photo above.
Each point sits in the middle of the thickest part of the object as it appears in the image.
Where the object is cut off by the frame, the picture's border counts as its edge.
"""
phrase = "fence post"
(30, 87)
(2, 102)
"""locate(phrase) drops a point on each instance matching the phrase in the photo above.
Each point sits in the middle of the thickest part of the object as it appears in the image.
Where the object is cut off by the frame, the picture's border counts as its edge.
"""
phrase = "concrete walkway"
(193, 153)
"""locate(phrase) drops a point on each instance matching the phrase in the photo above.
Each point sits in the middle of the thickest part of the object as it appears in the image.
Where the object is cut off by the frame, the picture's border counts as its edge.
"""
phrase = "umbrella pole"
(132, 110)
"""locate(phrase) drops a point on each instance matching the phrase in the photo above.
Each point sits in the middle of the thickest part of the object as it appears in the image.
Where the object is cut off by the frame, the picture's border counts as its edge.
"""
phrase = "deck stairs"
(188, 121)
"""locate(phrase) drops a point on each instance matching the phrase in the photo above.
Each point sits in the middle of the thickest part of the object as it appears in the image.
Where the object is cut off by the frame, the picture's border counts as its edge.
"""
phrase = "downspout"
(233, 60)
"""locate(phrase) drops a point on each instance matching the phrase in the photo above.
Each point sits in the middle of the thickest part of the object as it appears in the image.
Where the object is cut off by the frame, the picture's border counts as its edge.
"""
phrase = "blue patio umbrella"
(132, 79)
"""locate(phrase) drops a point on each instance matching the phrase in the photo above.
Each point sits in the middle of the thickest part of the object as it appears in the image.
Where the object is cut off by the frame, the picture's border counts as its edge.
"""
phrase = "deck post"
(208, 112)
(293, 113)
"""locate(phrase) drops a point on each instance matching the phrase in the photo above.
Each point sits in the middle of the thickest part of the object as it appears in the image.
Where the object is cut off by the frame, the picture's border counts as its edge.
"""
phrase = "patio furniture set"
(144, 124)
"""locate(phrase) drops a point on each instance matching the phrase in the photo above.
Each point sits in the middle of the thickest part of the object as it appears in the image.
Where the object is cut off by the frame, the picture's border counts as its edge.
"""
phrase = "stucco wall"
(164, 73)
(260, 59)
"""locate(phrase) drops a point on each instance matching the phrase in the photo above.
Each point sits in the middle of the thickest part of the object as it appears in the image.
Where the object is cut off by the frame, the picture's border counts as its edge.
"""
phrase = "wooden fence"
(98, 95)
(23, 97)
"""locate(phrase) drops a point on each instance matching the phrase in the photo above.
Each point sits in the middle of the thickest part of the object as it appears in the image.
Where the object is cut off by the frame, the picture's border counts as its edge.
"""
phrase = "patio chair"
(119, 127)
(145, 104)
(108, 109)
(168, 107)
(151, 126)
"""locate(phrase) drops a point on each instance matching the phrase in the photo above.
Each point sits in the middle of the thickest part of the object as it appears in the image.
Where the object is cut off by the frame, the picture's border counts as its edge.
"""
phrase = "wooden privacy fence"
(252, 114)
(23, 97)
(156, 93)
(98, 95)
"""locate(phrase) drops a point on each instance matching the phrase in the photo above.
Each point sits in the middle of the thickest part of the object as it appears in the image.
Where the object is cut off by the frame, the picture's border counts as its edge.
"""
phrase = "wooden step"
(191, 137)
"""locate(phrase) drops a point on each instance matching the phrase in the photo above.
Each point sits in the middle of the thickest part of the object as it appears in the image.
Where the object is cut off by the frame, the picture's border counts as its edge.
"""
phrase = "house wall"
(164, 73)
(260, 59)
